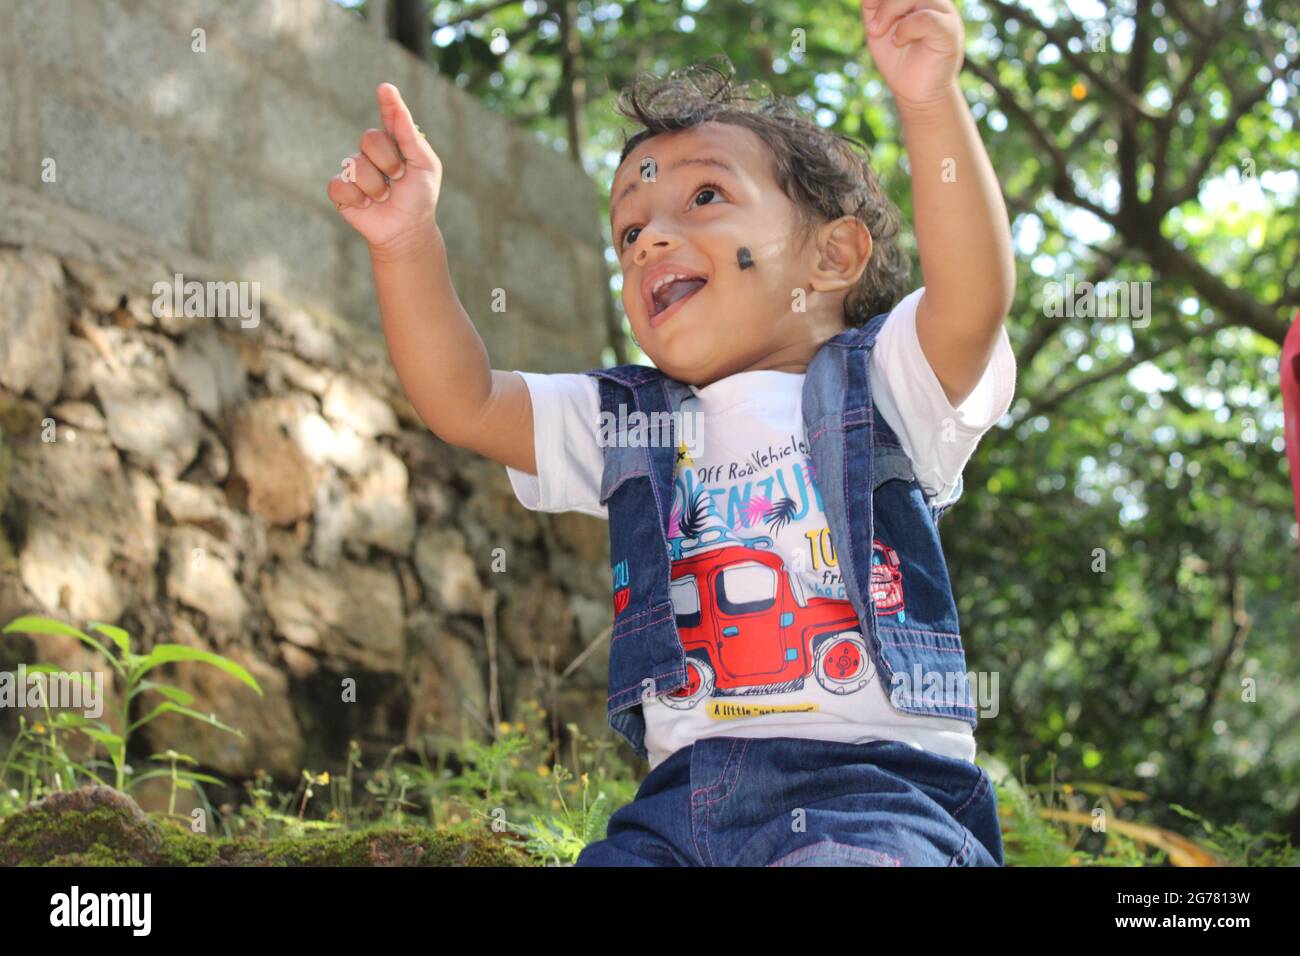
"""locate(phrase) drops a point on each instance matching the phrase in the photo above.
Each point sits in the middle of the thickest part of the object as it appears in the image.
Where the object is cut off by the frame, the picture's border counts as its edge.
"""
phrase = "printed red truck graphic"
(748, 627)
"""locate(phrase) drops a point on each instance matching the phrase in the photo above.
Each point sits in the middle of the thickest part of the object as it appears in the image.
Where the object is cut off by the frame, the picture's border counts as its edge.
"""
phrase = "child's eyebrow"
(689, 161)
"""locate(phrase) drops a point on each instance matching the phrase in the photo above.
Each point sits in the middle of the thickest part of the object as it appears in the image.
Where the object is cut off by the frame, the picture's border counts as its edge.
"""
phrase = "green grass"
(520, 789)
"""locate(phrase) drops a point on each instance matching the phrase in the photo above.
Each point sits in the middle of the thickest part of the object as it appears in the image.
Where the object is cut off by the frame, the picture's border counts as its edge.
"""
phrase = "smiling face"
(695, 309)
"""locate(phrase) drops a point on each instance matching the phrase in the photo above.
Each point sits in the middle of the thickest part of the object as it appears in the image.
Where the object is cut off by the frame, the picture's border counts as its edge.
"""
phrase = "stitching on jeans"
(980, 786)
(637, 686)
(838, 850)
(628, 619)
(928, 647)
(917, 630)
(649, 457)
(846, 567)
(658, 620)
(707, 805)
(961, 856)
(740, 762)
(710, 786)
(707, 855)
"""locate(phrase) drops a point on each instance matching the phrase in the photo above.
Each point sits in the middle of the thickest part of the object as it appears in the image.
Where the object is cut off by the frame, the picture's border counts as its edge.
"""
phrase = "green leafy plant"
(132, 670)
(1237, 846)
(1056, 824)
(561, 837)
(181, 779)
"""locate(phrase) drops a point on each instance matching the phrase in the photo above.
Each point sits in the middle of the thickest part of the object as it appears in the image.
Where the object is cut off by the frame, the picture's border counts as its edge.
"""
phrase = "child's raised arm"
(388, 192)
(961, 222)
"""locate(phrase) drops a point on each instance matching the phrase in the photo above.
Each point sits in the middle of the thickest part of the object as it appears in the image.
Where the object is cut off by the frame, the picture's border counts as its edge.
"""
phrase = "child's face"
(713, 194)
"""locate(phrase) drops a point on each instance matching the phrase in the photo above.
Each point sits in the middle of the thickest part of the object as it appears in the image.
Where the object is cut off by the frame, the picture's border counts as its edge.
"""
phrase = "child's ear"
(839, 255)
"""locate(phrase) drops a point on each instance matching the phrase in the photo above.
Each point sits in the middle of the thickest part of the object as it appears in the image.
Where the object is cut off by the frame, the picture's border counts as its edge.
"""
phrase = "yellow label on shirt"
(726, 710)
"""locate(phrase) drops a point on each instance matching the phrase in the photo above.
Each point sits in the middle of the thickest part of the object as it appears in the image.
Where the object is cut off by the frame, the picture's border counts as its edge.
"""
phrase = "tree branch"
(1241, 105)
(1239, 624)
(1204, 50)
(1062, 182)
(1130, 203)
(571, 79)
(1044, 331)
(1061, 39)
(1139, 355)
(1235, 307)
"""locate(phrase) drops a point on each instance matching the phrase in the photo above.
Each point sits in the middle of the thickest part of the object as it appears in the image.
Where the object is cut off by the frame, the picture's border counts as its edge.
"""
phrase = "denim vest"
(918, 654)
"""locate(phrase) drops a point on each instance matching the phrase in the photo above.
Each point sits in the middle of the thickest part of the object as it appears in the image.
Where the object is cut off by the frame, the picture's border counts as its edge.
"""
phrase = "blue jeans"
(784, 801)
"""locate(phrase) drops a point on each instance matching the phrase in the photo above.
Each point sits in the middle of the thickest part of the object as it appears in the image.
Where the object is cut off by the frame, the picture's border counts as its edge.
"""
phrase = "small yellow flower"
(555, 804)
(1078, 91)
(583, 778)
(325, 778)
(543, 770)
(514, 761)
(39, 728)
(521, 727)
(504, 727)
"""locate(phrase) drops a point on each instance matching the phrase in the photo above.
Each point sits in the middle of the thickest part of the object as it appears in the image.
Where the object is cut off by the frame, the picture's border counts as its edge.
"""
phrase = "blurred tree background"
(1125, 555)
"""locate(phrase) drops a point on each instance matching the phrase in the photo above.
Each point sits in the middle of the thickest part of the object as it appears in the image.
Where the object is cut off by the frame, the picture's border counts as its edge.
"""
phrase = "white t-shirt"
(748, 518)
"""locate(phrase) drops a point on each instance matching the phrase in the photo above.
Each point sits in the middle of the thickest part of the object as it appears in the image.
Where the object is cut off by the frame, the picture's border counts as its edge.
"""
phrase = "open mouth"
(667, 296)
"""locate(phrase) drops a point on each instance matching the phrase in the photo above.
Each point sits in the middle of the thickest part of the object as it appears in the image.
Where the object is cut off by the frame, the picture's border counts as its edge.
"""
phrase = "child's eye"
(703, 188)
(710, 188)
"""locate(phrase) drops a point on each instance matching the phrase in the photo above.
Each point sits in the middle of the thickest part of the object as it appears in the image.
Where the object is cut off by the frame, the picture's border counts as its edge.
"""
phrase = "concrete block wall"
(220, 159)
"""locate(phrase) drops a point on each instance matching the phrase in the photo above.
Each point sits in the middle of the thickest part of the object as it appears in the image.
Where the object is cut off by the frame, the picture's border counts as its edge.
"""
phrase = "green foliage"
(1237, 846)
(561, 838)
(516, 783)
(516, 791)
(513, 785)
(38, 752)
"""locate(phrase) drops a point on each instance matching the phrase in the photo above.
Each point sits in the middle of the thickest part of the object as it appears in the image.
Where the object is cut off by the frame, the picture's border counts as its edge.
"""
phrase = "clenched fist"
(917, 46)
(388, 192)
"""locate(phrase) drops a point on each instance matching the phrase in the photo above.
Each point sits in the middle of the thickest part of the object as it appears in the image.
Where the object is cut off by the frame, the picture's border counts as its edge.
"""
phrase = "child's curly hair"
(821, 171)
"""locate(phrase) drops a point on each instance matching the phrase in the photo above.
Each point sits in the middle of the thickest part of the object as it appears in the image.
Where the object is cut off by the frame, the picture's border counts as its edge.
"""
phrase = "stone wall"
(224, 155)
(268, 492)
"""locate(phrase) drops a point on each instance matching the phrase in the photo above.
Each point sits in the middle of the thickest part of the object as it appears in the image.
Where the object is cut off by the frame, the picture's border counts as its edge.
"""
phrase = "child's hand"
(397, 213)
(916, 45)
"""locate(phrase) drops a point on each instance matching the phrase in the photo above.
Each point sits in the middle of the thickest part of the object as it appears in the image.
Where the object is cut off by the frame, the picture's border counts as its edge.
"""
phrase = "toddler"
(785, 650)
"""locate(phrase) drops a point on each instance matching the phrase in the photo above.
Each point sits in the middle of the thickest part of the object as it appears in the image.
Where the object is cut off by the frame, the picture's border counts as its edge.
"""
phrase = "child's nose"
(653, 238)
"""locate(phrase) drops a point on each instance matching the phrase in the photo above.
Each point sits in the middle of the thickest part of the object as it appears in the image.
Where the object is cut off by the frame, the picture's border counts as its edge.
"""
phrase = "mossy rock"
(98, 826)
(91, 822)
